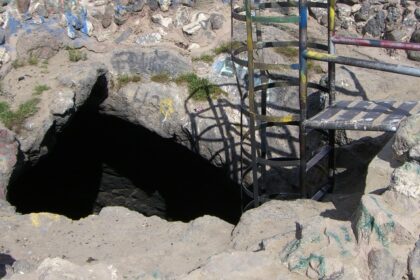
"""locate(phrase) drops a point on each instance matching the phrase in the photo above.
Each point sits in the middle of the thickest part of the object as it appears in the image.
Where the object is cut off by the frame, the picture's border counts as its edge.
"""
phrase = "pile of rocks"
(390, 20)
(103, 18)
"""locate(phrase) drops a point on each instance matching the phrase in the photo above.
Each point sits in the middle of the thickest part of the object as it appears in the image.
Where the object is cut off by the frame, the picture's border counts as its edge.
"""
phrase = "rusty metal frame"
(258, 120)
(334, 59)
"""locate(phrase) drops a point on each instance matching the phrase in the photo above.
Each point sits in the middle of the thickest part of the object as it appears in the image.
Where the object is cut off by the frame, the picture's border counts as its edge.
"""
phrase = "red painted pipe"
(376, 43)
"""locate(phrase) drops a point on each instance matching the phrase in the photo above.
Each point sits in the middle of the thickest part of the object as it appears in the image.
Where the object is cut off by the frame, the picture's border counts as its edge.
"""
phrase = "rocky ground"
(280, 240)
(124, 59)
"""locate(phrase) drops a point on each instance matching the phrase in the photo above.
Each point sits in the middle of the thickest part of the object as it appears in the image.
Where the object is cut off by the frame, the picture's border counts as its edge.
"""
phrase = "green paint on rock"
(334, 236)
(346, 233)
(367, 224)
(290, 249)
(303, 264)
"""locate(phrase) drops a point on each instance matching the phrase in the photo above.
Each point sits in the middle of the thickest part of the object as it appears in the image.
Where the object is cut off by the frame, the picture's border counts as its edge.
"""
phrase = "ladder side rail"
(251, 101)
(303, 92)
(331, 92)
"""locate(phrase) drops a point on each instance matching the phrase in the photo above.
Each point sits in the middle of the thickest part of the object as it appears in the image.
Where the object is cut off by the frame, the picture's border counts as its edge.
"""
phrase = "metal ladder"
(356, 115)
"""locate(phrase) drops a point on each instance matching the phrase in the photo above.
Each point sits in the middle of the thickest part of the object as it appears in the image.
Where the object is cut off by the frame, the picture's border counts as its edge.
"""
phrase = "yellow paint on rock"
(37, 217)
(166, 107)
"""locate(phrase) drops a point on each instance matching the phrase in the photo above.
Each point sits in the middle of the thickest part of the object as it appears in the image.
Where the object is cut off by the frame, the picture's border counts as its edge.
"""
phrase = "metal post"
(303, 92)
(331, 90)
(251, 98)
(263, 78)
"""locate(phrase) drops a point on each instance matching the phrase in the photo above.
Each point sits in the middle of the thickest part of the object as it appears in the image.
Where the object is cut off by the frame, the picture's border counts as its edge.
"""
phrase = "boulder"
(4, 56)
(8, 158)
(375, 26)
(2, 36)
(407, 139)
(164, 5)
(406, 178)
(392, 18)
(317, 13)
(40, 43)
(135, 5)
(417, 13)
(395, 35)
(199, 21)
(274, 218)
(38, 133)
(242, 265)
(377, 222)
(363, 12)
(57, 268)
(383, 266)
(150, 39)
(415, 38)
(182, 16)
(152, 61)
(121, 15)
(107, 17)
(153, 4)
(161, 20)
(23, 5)
(414, 262)
(343, 11)
(216, 21)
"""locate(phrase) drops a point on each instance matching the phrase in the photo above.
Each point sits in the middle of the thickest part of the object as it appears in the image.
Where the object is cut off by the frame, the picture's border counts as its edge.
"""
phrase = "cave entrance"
(100, 160)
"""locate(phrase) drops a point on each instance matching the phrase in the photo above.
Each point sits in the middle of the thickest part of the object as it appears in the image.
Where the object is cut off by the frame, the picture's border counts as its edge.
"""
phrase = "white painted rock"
(199, 21)
(164, 5)
(406, 179)
(161, 20)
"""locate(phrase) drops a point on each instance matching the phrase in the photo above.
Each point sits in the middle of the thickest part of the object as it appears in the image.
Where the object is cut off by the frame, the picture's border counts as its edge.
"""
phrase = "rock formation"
(126, 59)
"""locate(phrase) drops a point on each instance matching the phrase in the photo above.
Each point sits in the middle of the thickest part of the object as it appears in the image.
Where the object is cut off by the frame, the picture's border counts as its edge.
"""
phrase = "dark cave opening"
(100, 160)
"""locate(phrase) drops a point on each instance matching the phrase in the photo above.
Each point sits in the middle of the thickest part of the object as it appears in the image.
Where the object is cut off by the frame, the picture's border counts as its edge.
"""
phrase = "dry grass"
(162, 78)
(15, 119)
(76, 55)
(125, 79)
(200, 89)
(39, 89)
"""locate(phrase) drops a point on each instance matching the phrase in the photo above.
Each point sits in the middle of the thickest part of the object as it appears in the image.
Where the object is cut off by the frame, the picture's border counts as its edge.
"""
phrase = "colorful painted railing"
(362, 115)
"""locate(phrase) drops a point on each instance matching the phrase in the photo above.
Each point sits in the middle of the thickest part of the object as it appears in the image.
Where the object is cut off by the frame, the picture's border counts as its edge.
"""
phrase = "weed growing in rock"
(44, 64)
(314, 68)
(17, 63)
(225, 47)
(162, 78)
(39, 89)
(76, 55)
(125, 79)
(207, 58)
(199, 88)
(14, 119)
(33, 60)
(4, 107)
(289, 52)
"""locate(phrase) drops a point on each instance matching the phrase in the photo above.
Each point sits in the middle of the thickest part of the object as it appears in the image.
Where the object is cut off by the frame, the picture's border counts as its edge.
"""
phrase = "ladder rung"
(386, 67)
(265, 19)
(319, 156)
(279, 162)
(321, 192)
